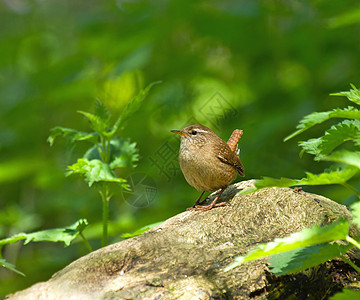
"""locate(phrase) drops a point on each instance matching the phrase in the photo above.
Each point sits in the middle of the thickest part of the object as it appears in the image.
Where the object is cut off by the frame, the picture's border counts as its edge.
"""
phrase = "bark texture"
(184, 257)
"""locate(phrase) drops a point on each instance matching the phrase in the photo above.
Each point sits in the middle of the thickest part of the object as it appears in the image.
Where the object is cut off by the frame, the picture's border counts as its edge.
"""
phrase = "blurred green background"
(256, 65)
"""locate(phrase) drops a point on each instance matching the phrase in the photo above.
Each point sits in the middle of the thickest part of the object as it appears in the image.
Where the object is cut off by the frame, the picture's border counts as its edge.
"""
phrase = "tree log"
(184, 257)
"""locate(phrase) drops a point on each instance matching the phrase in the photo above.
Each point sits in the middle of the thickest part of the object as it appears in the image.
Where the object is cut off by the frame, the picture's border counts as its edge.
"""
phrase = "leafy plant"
(325, 148)
(313, 246)
(303, 257)
(308, 248)
(106, 153)
(65, 234)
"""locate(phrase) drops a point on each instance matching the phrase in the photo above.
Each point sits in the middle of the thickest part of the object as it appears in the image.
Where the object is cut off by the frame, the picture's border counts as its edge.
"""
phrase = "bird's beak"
(179, 132)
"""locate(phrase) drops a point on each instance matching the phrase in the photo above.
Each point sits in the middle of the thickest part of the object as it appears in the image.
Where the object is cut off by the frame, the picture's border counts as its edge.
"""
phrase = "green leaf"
(102, 112)
(303, 258)
(65, 234)
(344, 156)
(10, 266)
(13, 239)
(355, 211)
(331, 176)
(311, 146)
(131, 108)
(336, 135)
(96, 123)
(72, 135)
(140, 231)
(95, 171)
(346, 294)
(269, 181)
(123, 153)
(305, 238)
(353, 95)
(320, 117)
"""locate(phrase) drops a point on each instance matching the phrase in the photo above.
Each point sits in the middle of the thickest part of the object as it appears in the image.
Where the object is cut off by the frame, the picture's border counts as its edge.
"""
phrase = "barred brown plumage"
(234, 139)
(207, 162)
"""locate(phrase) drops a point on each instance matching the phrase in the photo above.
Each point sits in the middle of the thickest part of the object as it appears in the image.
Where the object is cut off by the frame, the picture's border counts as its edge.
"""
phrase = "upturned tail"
(234, 139)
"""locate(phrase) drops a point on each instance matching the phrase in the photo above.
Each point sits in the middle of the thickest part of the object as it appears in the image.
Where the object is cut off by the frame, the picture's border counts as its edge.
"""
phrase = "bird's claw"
(207, 207)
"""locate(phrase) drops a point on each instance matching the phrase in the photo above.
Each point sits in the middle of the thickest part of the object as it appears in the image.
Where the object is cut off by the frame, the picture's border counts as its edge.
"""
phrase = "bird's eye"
(194, 132)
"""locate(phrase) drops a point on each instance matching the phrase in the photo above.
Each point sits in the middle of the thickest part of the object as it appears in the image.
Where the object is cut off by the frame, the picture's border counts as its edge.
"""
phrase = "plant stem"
(352, 241)
(87, 244)
(351, 188)
(105, 200)
(108, 150)
(105, 194)
(355, 267)
(103, 151)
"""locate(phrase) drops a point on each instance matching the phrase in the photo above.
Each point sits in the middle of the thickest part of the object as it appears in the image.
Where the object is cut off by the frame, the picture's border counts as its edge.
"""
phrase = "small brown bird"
(207, 162)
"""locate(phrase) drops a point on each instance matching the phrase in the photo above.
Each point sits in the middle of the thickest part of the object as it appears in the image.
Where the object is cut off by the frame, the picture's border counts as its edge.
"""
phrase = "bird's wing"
(229, 157)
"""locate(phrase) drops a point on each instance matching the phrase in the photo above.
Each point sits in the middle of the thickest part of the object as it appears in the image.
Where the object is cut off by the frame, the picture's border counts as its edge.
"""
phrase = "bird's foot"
(197, 202)
(196, 205)
(210, 206)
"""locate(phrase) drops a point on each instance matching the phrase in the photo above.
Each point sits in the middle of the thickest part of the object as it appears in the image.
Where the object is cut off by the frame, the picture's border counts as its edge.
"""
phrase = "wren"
(207, 162)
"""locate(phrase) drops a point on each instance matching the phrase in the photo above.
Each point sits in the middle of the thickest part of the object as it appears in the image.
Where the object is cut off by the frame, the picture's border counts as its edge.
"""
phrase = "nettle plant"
(313, 246)
(328, 147)
(107, 152)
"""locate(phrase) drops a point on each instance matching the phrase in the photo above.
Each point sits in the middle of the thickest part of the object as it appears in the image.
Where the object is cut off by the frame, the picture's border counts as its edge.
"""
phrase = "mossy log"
(184, 257)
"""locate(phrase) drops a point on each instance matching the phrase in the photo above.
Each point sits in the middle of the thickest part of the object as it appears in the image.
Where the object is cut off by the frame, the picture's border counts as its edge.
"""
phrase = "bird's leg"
(197, 202)
(213, 204)
(202, 202)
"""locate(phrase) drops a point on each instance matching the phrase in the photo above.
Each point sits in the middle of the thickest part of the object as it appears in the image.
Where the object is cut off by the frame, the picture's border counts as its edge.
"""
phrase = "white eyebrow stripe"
(200, 130)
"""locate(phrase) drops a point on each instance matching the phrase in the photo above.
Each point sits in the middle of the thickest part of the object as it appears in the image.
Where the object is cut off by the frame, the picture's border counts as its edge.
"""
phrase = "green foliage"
(100, 121)
(10, 266)
(95, 171)
(107, 153)
(333, 175)
(320, 117)
(346, 157)
(305, 238)
(123, 153)
(56, 55)
(303, 258)
(307, 248)
(356, 213)
(65, 234)
(132, 107)
(313, 246)
(71, 135)
(335, 136)
(353, 95)
(125, 156)
(346, 294)
(323, 148)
